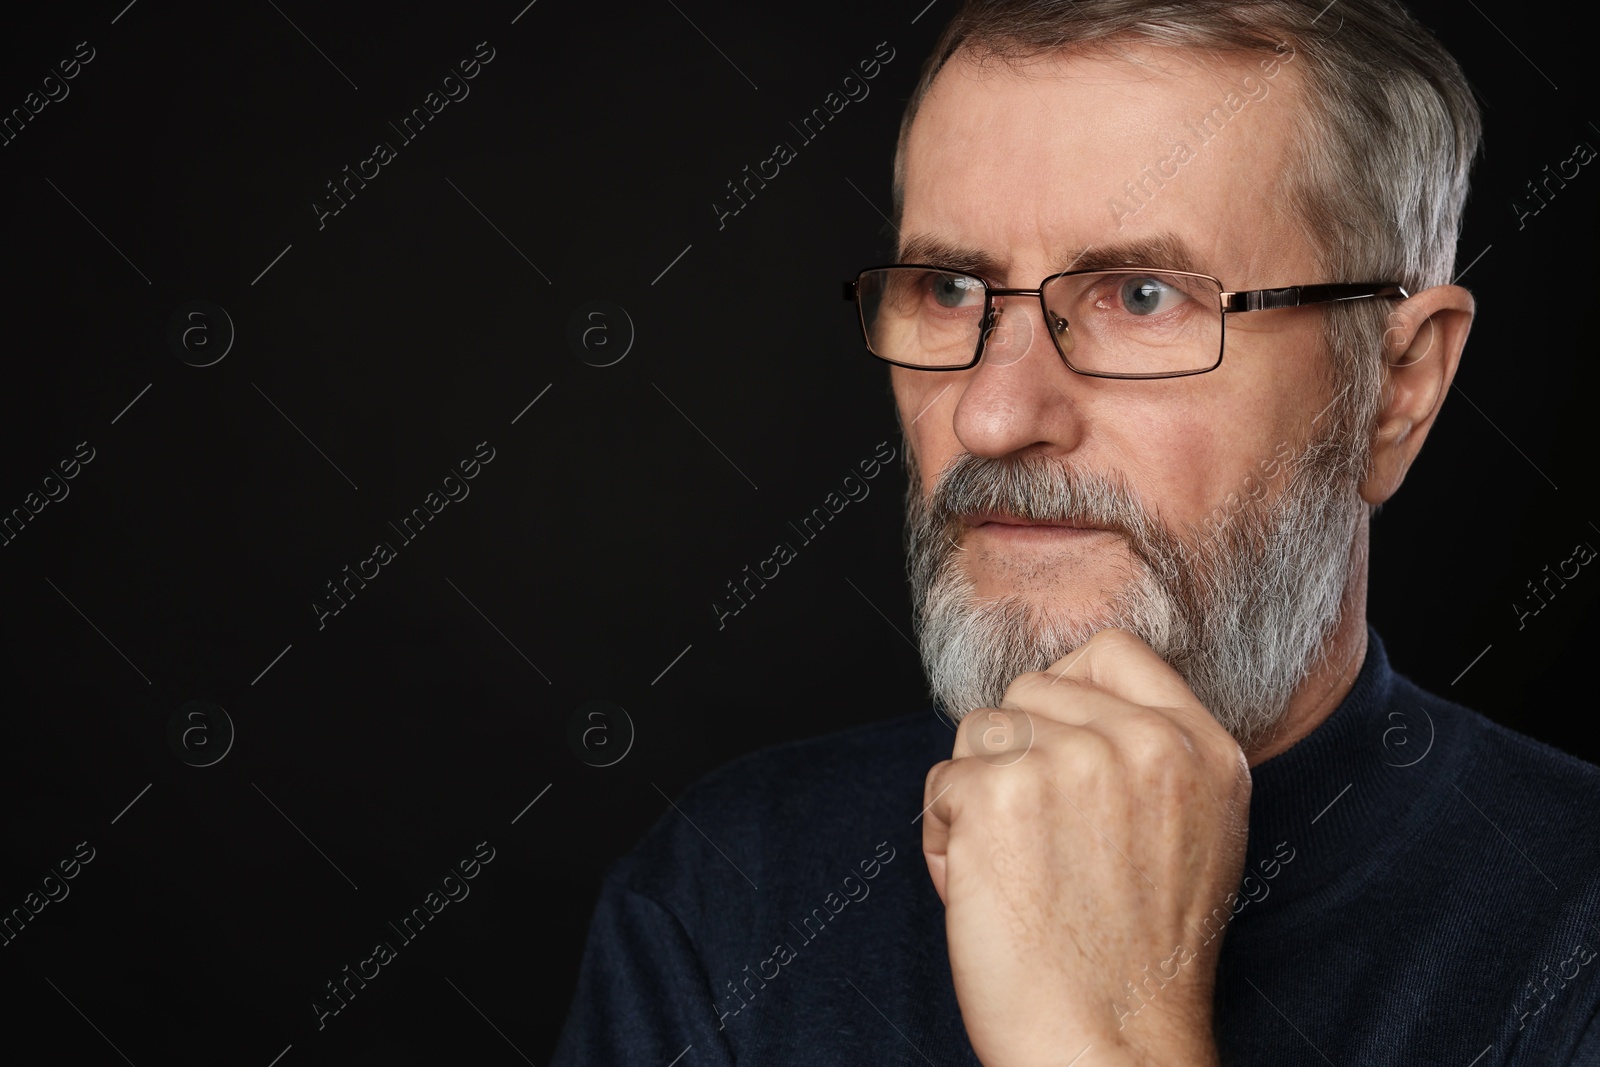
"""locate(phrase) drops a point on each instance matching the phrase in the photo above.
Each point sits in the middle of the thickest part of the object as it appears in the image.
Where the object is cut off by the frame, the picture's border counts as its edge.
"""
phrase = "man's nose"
(1021, 394)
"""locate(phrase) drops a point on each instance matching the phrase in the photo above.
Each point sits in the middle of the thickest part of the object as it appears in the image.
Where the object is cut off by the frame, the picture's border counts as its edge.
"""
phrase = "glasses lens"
(921, 317)
(1136, 323)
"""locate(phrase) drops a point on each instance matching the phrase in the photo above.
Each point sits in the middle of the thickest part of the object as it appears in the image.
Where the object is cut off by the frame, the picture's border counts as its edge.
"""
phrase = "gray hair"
(1388, 133)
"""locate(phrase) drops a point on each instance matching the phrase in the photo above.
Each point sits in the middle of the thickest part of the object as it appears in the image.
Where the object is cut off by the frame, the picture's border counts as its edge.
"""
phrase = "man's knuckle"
(1014, 795)
(1148, 737)
(1083, 753)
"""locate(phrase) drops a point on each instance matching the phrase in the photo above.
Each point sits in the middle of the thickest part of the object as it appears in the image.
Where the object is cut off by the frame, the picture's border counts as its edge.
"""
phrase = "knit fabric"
(1422, 886)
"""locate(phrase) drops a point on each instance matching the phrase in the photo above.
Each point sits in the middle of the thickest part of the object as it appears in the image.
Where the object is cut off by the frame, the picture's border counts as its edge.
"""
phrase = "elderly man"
(1170, 318)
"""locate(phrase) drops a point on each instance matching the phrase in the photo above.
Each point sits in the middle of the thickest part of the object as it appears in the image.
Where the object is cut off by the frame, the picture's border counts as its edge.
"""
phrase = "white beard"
(1241, 611)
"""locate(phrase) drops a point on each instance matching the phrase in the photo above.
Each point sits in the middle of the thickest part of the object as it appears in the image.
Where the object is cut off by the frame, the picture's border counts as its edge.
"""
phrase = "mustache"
(1038, 489)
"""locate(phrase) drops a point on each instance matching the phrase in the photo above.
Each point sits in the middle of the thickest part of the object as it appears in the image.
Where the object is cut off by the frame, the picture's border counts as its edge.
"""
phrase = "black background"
(429, 713)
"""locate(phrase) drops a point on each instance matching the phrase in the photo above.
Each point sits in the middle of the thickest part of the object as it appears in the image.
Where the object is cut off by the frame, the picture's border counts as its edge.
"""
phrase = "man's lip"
(983, 518)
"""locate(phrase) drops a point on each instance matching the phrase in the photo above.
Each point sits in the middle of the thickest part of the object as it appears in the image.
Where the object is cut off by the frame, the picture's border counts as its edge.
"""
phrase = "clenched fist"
(1077, 836)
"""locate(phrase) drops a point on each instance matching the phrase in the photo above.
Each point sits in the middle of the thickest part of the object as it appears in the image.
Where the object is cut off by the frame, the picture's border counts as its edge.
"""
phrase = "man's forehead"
(1100, 160)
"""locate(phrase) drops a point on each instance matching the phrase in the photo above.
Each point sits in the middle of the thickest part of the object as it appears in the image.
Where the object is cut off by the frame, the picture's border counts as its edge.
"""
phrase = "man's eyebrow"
(1164, 250)
(934, 252)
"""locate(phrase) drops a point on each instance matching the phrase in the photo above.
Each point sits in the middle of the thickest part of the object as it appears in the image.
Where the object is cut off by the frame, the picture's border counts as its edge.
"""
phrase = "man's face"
(1192, 476)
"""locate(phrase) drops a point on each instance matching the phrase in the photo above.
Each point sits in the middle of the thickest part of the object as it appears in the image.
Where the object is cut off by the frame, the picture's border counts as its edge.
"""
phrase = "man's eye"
(953, 291)
(1149, 296)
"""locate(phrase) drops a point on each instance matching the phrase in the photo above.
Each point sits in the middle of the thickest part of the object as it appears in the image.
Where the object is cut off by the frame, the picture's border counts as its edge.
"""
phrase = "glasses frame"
(1232, 303)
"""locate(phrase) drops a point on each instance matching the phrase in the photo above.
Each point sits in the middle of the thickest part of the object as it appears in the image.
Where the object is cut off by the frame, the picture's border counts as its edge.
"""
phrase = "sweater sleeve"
(643, 995)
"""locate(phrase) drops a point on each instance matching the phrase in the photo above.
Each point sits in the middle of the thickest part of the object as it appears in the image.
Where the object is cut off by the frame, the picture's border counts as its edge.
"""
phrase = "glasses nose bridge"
(992, 318)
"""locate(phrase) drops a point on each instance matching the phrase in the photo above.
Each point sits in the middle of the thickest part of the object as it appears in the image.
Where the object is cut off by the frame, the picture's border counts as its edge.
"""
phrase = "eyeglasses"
(1127, 323)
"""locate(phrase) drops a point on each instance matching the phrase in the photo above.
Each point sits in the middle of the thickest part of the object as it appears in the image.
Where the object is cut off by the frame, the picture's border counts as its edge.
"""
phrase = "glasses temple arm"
(1298, 295)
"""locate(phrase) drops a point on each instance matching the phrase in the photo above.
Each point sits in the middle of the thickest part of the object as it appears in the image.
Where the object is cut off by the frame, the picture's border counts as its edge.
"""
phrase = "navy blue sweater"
(1422, 886)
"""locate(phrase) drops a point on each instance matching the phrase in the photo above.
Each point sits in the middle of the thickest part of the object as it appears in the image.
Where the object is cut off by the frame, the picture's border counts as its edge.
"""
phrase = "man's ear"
(1421, 351)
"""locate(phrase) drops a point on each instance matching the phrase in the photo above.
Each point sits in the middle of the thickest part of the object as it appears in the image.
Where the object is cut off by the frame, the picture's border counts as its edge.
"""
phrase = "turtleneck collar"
(1351, 791)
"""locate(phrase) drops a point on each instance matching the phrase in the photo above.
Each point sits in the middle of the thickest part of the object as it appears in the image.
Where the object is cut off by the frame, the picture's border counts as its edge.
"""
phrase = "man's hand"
(1086, 836)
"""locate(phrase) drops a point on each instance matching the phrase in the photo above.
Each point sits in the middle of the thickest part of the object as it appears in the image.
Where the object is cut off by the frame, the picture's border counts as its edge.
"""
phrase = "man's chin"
(971, 658)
